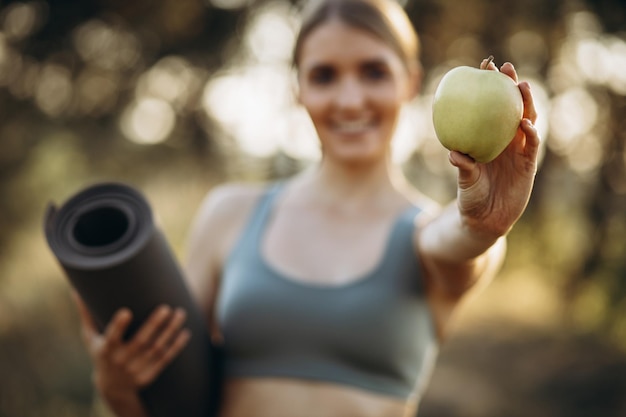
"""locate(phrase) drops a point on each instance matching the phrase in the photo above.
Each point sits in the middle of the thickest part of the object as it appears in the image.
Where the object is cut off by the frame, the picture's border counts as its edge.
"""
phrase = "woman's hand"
(122, 368)
(492, 196)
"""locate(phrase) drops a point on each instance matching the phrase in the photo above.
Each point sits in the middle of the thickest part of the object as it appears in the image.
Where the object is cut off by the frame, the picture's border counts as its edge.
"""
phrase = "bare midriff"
(283, 397)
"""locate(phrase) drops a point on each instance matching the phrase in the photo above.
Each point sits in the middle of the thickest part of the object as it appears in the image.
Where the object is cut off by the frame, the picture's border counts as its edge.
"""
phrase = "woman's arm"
(204, 255)
(214, 230)
(465, 244)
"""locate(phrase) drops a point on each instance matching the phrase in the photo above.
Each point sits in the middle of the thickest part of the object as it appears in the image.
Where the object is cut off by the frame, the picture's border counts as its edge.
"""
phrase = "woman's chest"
(374, 329)
(325, 249)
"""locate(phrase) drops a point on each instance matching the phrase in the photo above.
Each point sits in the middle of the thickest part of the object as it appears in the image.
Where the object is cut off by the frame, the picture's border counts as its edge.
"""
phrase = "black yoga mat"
(113, 254)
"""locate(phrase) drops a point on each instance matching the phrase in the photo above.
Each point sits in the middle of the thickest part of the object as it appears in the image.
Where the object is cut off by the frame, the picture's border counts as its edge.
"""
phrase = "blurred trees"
(69, 69)
(146, 90)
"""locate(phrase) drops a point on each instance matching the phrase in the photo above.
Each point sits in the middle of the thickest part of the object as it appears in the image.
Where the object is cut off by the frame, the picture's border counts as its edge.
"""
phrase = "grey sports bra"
(375, 333)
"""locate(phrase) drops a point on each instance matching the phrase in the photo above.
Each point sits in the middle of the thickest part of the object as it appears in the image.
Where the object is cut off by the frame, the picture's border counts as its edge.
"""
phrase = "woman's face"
(353, 85)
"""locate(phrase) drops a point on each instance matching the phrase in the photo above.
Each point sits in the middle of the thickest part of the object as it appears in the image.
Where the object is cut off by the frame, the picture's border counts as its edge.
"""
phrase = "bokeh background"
(176, 96)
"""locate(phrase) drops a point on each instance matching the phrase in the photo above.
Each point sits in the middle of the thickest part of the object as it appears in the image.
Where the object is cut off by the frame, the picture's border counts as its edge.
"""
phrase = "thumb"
(468, 168)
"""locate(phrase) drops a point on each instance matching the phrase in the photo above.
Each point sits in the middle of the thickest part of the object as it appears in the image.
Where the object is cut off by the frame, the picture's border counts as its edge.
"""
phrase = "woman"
(331, 291)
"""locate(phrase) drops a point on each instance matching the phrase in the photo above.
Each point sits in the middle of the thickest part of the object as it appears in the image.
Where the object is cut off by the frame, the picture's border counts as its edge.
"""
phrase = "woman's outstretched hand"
(123, 367)
(492, 196)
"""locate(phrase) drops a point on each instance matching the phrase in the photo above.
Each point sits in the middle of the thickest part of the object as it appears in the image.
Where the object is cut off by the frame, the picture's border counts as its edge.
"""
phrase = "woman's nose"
(350, 94)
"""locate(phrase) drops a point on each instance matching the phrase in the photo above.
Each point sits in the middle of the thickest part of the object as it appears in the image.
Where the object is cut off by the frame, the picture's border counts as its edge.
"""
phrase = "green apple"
(477, 112)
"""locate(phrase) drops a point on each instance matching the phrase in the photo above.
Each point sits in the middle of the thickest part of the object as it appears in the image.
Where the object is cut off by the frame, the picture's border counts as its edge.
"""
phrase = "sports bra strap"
(256, 224)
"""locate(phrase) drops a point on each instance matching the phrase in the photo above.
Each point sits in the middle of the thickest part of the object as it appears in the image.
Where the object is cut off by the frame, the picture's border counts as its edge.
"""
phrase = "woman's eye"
(322, 75)
(375, 72)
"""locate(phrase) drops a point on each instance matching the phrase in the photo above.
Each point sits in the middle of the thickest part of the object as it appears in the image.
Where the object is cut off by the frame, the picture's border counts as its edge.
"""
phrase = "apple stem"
(489, 61)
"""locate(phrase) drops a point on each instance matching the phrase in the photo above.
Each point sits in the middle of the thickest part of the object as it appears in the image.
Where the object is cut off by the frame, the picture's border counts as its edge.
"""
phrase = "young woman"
(331, 291)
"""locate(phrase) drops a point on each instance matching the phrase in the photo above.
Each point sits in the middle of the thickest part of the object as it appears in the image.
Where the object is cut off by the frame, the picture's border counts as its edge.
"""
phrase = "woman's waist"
(278, 397)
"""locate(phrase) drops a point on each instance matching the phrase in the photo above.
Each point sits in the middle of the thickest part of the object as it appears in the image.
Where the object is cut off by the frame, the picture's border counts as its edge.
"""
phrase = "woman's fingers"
(531, 146)
(170, 331)
(149, 371)
(157, 334)
(114, 332)
(145, 337)
(123, 365)
(508, 69)
(157, 344)
(530, 112)
(468, 172)
(135, 362)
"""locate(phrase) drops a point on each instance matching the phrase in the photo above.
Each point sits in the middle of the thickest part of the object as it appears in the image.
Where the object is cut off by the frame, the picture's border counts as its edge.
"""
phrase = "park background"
(177, 96)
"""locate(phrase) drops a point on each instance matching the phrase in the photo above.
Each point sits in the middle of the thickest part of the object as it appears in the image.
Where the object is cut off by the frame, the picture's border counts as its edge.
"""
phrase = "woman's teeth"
(352, 126)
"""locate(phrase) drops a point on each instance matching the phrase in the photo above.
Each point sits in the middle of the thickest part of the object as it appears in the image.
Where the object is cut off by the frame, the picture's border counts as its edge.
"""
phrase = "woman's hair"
(384, 19)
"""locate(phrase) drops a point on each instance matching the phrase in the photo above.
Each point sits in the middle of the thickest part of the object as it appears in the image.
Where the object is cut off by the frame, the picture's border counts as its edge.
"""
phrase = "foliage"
(177, 95)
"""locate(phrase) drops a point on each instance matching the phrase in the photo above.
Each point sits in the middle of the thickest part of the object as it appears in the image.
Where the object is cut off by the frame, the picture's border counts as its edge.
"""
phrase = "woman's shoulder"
(230, 201)
(221, 215)
(234, 193)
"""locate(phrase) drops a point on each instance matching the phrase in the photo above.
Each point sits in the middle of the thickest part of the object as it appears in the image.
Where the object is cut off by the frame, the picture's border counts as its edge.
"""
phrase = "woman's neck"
(352, 187)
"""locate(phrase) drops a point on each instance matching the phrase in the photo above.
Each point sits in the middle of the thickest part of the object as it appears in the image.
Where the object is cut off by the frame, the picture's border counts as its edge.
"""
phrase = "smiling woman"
(331, 292)
(260, 73)
(353, 87)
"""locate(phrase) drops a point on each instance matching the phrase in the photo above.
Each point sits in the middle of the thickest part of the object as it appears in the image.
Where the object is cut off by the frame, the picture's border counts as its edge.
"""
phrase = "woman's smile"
(354, 127)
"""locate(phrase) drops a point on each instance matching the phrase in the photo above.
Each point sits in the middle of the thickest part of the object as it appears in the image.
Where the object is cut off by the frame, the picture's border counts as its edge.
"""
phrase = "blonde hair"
(385, 19)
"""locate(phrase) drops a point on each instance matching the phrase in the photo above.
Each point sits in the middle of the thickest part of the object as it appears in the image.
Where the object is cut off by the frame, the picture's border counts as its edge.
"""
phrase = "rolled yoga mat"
(106, 241)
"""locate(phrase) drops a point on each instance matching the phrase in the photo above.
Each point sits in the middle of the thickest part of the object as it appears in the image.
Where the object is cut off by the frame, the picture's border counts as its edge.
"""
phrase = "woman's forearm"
(447, 239)
(457, 257)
